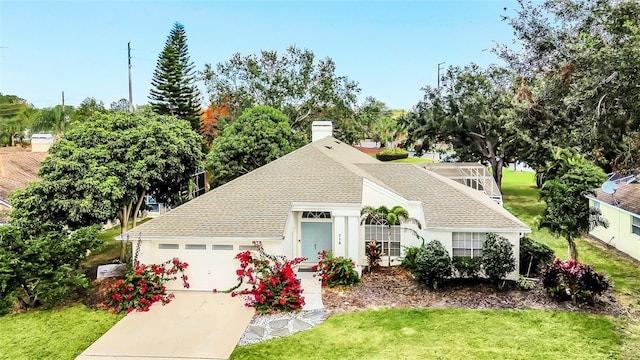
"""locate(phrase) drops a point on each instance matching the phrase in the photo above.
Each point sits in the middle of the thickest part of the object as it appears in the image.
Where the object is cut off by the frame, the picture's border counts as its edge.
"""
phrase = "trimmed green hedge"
(389, 154)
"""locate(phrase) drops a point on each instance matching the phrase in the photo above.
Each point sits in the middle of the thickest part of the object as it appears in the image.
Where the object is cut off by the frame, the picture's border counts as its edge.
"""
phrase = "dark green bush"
(409, 259)
(43, 270)
(534, 256)
(433, 264)
(466, 267)
(497, 258)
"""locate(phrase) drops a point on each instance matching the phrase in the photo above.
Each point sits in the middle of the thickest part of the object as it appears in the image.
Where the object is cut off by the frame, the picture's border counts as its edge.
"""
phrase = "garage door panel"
(211, 266)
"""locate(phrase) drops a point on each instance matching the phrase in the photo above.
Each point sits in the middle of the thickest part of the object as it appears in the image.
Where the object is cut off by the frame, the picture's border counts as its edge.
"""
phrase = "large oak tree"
(294, 82)
(473, 110)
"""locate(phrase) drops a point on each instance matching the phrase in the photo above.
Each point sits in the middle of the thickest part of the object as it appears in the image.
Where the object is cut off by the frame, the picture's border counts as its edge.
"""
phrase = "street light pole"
(439, 74)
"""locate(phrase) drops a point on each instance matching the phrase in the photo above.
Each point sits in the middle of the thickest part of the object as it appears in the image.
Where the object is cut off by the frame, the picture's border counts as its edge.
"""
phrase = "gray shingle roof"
(257, 204)
(627, 197)
(446, 203)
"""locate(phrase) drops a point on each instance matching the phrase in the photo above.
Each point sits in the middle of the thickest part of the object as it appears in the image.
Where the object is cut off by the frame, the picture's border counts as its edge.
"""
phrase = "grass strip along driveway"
(52, 334)
(447, 334)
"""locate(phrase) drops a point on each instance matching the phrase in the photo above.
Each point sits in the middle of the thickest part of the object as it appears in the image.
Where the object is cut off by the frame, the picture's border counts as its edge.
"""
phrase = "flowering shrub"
(570, 279)
(335, 271)
(274, 286)
(143, 286)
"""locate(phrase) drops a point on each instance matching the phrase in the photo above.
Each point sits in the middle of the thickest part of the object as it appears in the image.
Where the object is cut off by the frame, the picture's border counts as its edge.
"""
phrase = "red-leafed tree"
(211, 123)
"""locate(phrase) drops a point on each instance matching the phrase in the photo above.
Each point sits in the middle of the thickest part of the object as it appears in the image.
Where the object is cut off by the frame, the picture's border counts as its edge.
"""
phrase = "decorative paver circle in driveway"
(195, 325)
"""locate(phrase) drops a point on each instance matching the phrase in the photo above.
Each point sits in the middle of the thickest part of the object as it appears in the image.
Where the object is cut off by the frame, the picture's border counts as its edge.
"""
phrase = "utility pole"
(439, 74)
(63, 103)
(130, 91)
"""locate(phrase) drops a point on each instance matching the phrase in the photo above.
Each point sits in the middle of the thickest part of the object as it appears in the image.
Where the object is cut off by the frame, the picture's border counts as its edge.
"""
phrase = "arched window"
(388, 236)
(316, 215)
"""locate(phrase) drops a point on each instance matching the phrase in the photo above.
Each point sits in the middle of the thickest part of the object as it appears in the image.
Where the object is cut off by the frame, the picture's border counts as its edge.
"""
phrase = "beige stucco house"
(622, 211)
(310, 200)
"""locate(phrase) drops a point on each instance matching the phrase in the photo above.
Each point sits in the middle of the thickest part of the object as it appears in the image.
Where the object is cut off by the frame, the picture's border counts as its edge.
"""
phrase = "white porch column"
(339, 236)
(353, 243)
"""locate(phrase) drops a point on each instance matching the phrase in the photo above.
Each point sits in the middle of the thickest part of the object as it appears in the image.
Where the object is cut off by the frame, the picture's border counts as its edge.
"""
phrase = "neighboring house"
(40, 143)
(18, 167)
(310, 200)
(622, 211)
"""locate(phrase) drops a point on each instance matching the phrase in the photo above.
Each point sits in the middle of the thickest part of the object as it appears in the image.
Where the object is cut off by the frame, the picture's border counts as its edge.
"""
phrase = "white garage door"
(211, 266)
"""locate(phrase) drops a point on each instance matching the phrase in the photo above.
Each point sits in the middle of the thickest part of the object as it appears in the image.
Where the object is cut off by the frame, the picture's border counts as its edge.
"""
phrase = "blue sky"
(391, 48)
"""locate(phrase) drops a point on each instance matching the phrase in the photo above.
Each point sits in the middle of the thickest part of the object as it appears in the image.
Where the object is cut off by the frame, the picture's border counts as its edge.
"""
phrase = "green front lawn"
(521, 197)
(52, 334)
(447, 334)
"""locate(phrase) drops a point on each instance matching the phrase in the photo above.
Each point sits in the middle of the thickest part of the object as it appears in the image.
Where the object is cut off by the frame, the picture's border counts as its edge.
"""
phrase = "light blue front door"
(316, 236)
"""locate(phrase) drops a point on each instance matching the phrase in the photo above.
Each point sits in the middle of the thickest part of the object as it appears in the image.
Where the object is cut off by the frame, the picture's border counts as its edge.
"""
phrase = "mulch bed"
(399, 289)
(97, 295)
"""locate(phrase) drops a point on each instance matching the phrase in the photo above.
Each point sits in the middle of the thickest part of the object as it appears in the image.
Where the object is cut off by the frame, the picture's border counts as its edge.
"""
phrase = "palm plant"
(397, 215)
(54, 119)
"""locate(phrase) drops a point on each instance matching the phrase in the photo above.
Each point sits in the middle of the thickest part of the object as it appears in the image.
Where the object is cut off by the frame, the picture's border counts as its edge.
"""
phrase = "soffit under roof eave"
(526, 230)
(199, 238)
(323, 206)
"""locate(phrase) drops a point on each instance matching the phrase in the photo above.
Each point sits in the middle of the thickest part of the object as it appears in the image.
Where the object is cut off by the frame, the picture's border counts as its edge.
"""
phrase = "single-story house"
(622, 211)
(310, 200)
(18, 167)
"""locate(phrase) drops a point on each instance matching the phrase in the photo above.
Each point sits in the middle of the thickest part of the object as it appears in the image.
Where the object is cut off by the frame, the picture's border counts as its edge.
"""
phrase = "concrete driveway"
(195, 325)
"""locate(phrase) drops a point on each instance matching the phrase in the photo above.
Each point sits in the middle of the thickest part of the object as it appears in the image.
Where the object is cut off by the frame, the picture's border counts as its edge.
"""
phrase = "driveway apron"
(195, 325)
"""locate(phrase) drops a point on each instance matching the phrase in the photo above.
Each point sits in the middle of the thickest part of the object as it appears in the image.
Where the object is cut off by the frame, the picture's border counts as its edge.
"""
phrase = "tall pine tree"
(174, 90)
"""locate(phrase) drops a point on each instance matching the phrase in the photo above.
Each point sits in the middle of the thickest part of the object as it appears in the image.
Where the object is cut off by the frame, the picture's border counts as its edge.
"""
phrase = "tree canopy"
(103, 167)
(473, 110)
(174, 91)
(578, 63)
(295, 82)
(259, 136)
(568, 213)
(15, 116)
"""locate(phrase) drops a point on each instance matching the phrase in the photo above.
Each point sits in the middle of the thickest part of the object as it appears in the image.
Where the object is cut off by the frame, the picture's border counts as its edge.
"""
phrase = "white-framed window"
(387, 236)
(635, 225)
(468, 243)
(596, 205)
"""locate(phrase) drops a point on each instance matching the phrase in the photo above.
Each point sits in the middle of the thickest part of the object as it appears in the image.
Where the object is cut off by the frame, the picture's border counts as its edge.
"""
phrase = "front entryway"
(316, 237)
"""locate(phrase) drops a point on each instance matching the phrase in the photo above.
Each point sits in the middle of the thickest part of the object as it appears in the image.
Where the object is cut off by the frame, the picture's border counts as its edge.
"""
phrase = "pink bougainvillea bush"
(143, 285)
(272, 285)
